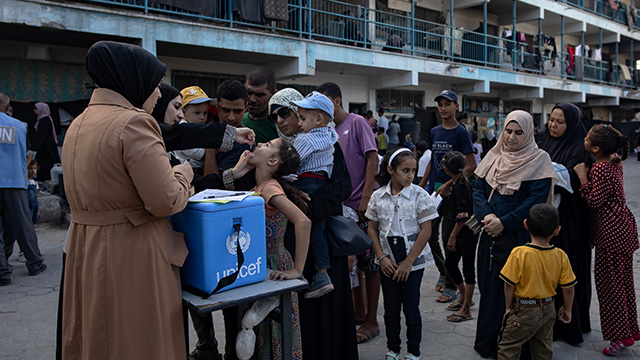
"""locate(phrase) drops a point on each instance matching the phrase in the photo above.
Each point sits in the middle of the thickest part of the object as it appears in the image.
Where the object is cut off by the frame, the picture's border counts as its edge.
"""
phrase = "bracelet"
(381, 257)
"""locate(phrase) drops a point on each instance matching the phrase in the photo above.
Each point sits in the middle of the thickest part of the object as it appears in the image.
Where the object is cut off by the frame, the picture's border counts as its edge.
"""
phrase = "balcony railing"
(359, 26)
(603, 8)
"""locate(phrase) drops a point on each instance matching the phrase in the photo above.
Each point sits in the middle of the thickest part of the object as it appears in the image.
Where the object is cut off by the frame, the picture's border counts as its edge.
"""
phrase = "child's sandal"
(613, 348)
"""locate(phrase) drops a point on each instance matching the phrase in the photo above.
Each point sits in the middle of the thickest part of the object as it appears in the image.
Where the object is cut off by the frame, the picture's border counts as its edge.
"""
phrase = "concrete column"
(148, 42)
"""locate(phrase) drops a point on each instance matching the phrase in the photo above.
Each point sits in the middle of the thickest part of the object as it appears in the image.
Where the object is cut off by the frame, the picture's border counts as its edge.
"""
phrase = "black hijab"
(168, 93)
(127, 69)
(568, 149)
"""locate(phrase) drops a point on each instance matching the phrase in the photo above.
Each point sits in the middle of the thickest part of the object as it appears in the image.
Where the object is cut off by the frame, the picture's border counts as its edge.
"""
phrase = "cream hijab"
(505, 170)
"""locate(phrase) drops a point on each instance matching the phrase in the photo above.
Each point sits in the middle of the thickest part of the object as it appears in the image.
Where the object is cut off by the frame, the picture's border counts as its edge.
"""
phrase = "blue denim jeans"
(406, 296)
(319, 245)
(32, 194)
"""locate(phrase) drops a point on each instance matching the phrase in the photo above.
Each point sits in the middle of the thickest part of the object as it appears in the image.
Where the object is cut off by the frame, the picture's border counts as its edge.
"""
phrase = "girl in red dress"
(615, 236)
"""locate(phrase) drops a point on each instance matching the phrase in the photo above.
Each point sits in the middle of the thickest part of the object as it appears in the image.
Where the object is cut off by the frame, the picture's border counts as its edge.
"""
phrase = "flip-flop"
(457, 305)
(458, 318)
(451, 294)
(454, 306)
(440, 285)
(366, 333)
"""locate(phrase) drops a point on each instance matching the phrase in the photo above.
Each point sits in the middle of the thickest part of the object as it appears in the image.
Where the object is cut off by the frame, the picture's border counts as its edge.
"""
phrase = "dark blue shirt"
(443, 141)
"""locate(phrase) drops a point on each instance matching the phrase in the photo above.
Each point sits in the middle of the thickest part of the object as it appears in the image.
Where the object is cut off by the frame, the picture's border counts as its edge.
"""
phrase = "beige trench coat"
(122, 297)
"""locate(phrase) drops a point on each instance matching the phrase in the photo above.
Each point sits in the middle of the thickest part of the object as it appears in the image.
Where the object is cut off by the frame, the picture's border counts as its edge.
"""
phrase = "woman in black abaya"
(43, 140)
(564, 141)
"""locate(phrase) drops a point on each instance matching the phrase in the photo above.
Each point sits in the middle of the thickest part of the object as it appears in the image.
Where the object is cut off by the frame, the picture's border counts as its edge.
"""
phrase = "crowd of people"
(142, 147)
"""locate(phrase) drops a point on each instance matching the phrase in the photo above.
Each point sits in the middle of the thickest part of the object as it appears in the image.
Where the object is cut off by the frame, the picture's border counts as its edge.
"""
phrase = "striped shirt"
(316, 150)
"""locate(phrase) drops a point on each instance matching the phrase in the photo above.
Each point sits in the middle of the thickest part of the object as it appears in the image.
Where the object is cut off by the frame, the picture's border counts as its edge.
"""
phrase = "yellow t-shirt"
(382, 142)
(536, 271)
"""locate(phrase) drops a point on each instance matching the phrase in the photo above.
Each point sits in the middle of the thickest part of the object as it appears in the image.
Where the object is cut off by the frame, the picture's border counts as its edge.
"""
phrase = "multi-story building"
(498, 55)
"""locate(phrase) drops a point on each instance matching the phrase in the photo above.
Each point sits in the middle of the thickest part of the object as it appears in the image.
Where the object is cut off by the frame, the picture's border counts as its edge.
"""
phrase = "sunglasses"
(283, 112)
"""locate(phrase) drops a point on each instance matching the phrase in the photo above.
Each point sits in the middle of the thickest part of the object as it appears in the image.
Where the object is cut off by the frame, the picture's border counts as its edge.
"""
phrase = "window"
(209, 82)
(399, 101)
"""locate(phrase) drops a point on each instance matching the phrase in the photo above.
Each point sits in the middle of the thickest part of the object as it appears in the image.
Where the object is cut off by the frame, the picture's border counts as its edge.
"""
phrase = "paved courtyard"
(28, 308)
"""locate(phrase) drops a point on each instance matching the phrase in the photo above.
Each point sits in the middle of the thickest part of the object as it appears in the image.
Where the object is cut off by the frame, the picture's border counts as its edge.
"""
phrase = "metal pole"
(451, 27)
(583, 55)
(600, 61)
(562, 60)
(615, 72)
(299, 12)
(230, 12)
(515, 42)
(540, 45)
(309, 15)
(631, 63)
(413, 26)
(484, 30)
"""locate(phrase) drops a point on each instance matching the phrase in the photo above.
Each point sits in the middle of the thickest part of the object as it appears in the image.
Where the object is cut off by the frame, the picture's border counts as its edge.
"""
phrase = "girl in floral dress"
(272, 161)
(615, 236)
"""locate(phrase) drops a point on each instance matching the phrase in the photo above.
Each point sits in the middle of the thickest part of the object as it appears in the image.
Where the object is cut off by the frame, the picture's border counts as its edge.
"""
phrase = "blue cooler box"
(211, 239)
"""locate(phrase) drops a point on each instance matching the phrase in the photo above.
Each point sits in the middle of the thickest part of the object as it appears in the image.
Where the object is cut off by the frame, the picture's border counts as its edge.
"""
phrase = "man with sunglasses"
(261, 84)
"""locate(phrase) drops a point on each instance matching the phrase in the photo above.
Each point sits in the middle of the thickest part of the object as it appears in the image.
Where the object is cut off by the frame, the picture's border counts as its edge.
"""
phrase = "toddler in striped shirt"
(315, 146)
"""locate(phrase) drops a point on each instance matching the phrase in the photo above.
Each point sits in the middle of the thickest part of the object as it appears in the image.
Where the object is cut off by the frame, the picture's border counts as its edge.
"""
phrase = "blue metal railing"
(601, 8)
(357, 25)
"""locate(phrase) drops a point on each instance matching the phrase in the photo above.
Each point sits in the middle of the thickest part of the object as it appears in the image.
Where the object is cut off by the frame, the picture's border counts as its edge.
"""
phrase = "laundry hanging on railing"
(249, 10)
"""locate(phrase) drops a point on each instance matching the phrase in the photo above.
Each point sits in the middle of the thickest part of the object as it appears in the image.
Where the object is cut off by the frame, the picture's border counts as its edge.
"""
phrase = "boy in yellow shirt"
(531, 275)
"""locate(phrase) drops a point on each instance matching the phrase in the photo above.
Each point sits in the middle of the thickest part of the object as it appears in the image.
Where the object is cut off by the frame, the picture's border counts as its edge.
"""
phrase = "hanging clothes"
(597, 54)
(624, 69)
(276, 10)
(249, 10)
(572, 53)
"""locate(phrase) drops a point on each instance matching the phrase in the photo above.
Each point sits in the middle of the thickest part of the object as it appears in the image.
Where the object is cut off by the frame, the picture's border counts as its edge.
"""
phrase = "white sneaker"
(411, 357)
(392, 356)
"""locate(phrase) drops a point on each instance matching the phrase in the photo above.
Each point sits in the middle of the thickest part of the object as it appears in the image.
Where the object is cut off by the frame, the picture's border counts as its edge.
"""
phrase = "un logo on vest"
(243, 237)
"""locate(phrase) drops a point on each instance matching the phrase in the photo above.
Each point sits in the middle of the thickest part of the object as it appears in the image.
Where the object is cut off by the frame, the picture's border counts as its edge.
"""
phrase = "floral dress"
(615, 237)
(269, 337)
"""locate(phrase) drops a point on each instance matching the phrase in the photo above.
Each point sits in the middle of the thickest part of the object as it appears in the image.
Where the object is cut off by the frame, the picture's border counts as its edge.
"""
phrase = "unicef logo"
(243, 237)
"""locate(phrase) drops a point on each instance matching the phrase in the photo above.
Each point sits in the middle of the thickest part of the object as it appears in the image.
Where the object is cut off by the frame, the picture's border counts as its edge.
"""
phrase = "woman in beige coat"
(122, 287)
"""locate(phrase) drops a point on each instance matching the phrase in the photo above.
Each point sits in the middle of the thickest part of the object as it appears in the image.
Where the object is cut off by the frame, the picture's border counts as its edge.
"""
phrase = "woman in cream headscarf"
(513, 176)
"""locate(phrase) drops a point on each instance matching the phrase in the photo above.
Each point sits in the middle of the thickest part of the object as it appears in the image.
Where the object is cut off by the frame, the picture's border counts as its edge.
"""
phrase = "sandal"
(454, 306)
(458, 318)
(457, 305)
(447, 296)
(365, 333)
(440, 285)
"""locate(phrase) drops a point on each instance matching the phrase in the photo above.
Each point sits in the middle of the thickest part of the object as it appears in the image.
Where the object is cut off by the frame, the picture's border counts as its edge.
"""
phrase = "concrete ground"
(28, 308)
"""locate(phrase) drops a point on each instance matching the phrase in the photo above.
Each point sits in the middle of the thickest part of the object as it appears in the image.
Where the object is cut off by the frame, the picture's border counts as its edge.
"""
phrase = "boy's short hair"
(231, 90)
(422, 146)
(543, 220)
(34, 162)
(330, 89)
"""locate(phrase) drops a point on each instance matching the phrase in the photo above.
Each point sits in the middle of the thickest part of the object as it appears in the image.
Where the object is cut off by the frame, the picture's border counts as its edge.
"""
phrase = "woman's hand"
(403, 270)
(388, 267)
(451, 244)
(581, 171)
(493, 226)
(243, 166)
(245, 136)
(285, 275)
